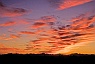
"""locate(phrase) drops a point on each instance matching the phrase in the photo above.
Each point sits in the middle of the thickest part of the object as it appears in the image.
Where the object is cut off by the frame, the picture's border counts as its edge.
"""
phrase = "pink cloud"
(71, 3)
(14, 22)
(10, 23)
(23, 22)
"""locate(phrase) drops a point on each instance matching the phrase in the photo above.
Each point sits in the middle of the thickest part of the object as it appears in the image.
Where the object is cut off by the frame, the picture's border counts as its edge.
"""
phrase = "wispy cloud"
(6, 11)
(80, 34)
(64, 4)
(59, 40)
(38, 25)
(14, 23)
(5, 49)
(43, 21)
(10, 23)
(26, 32)
(48, 19)
(71, 3)
(12, 36)
(2, 45)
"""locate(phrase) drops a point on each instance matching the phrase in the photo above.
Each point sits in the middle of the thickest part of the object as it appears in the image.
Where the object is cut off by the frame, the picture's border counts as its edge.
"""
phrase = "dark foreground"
(47, 59)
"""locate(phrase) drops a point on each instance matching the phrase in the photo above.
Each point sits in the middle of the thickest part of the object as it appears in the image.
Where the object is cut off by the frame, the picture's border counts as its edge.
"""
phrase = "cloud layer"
(45, 33)
(52, 40)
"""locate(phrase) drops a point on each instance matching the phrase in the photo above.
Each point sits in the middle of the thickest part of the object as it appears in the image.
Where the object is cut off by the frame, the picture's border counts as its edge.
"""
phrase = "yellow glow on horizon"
(82, 48)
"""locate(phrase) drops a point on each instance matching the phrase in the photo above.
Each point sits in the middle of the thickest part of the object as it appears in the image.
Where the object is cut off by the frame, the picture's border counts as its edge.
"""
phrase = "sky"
(47, 26)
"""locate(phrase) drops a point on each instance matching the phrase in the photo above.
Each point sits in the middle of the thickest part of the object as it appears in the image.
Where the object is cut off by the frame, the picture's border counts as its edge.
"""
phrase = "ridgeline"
(47, 58)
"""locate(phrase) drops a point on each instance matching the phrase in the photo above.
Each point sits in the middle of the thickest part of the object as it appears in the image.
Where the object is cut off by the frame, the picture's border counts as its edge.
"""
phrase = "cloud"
(64, 38)
(56, 40)
(71, 3)
(2, 36)
(71, 36)
(59, 40)
(10, 23)
(1, 45)
(43, 22)
(26, 32)
(48, 19)
(83, 23)
(8, 49)
(65, 50)
(5, 50)
(23, 22)
(12, 36)
(14, 23)
(64, 4)
(6, 11)
(38, 46)
(81, 32)
(38, 25)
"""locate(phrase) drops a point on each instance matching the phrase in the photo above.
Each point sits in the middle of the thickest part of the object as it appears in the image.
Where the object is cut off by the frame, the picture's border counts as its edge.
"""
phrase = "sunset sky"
(47, 26)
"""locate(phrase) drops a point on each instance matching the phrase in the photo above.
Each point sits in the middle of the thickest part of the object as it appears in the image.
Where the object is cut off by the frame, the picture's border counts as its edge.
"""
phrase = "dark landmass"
(47, 59)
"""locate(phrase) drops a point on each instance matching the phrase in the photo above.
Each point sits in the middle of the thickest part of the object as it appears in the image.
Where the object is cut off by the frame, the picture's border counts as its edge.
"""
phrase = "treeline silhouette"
(47, 58)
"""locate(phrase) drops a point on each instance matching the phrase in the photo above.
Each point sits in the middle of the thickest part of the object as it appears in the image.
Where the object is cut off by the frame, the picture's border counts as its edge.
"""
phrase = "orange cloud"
(42, 22)
(71, 3)
(2, 36)
(14, 22)
(2, 45)
(4, 49)
(11, 23)
(38, 25)
(54, 40)
(83, 23)
(38, 46)
(61, 39)
(81, 32)
(26, 32)
(12, 36)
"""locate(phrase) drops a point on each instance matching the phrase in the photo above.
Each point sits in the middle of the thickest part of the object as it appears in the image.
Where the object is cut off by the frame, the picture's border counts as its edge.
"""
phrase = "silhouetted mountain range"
(47, 58)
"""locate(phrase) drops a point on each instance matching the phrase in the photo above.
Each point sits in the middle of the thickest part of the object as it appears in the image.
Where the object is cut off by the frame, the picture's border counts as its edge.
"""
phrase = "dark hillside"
(47, 59)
